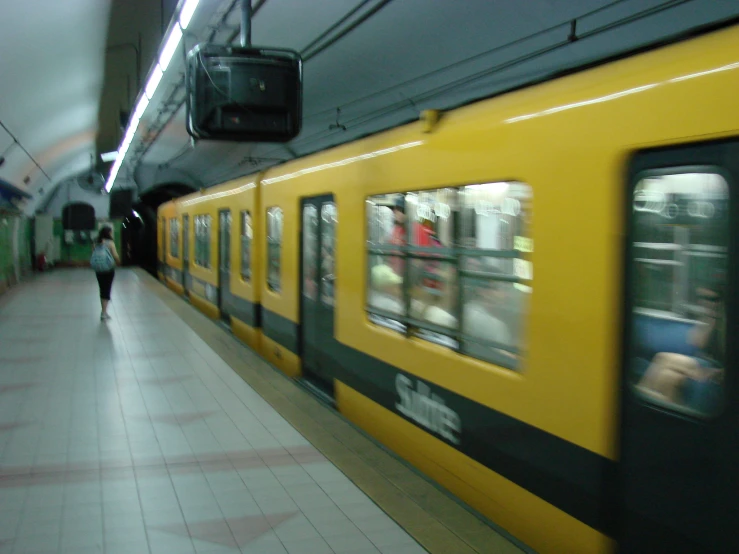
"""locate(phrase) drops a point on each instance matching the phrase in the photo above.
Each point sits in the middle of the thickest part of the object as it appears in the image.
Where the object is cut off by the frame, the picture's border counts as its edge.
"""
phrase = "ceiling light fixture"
(109, 156)
(165, 57)
(170, 47)
(187, 12)
(154, 80)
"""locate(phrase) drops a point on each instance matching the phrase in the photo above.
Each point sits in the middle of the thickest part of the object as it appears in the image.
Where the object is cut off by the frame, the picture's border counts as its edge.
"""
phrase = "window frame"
(682, 412)
(246, 276)
(273, 244)
(202, 240)
(501, 354)
(707, 169)
(174, 237)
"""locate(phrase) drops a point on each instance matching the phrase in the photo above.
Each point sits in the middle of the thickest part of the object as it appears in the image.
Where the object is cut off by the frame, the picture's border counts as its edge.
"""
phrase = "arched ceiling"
(52, 74)
(380, 61)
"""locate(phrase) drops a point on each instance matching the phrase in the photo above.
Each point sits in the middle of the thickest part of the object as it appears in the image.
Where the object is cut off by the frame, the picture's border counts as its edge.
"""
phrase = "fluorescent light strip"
(187, 11)
(170, 47)
(109, 156)
(154, 80)
(139, 111)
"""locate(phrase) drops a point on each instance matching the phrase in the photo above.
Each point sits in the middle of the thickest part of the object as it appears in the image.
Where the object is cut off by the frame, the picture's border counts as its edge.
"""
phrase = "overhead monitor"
(244, 94)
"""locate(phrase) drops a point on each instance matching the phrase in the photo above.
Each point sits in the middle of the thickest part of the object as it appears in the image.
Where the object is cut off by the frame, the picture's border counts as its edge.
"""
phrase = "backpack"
(102, 260)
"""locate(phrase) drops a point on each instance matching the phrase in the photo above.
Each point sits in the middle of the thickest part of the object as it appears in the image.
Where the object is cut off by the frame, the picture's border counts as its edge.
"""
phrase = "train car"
(530, 300)
(164, 212)
(169, 240)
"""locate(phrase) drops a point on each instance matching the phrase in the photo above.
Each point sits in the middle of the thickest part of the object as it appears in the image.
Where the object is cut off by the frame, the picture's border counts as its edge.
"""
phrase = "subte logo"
(427, 409)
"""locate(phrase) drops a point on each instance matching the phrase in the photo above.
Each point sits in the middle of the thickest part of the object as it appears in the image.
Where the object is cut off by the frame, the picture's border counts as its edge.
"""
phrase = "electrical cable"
(456, 64)
(16, 141)
(386, 110)
(328, 31)
(517, 61)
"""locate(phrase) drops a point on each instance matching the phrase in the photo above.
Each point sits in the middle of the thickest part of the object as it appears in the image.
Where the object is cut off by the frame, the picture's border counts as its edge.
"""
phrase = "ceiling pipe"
(245, 23)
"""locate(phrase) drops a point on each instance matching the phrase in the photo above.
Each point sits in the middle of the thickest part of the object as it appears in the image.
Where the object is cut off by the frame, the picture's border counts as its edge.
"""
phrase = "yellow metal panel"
(526, 516)
(569, 140)
(241, 194)
(280, 357)
(249, 335)
(205, 205)
(174, 285)
(209, 309)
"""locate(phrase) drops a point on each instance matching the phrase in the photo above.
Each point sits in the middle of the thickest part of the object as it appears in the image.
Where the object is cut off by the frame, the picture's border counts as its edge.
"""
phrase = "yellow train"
(528, 299)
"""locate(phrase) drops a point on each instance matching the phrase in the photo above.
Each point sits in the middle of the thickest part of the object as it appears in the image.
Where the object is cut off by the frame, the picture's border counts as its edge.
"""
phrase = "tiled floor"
(134, 436)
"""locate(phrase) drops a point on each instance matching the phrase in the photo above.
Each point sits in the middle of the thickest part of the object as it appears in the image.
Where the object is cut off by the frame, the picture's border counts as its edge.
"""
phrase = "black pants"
(105, 280)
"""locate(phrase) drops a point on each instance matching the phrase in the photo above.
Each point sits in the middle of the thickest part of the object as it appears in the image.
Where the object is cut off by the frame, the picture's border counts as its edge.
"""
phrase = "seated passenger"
(669, 375)
(692, 381)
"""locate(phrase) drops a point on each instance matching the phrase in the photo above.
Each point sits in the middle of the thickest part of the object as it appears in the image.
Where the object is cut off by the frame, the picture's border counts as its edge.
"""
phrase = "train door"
(185, 251)
(317, 294)
(224, 261)
(680, 404)
(163, 262)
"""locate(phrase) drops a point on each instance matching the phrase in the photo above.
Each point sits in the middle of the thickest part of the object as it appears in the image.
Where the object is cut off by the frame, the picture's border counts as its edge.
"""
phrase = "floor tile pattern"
(131, 436)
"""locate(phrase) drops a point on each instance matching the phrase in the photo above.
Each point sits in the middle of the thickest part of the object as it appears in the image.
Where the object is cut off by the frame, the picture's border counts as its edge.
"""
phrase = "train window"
(310, 242)
(202, 240)
(174, 237)
(328, 245)
(274, 247)
(246, 237)
(451, 266)
(680, 262)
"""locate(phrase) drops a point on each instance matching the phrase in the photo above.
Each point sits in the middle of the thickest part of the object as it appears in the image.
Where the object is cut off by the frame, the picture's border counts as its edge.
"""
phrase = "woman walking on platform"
(103, 261)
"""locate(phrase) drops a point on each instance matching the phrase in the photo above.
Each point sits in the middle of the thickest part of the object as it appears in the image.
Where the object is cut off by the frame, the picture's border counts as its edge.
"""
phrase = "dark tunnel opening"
(142, 234)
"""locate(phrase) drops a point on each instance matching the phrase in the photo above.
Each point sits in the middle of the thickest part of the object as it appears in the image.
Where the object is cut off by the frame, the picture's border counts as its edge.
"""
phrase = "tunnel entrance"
(139, 234)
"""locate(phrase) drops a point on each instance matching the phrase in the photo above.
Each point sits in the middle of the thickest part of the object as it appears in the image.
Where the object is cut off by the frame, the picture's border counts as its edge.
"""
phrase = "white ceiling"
(404, 56)
(52, 74)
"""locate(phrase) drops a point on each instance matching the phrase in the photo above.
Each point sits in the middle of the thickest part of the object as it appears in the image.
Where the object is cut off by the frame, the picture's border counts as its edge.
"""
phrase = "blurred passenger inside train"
(386, 288)
(709, 334)
(482, 308)
(398, 236)
(425, 236)
(693, 378)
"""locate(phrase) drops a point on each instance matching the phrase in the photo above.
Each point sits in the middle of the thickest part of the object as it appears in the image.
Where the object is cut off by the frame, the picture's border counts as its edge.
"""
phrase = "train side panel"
(550, 427)
(532, 448)
(203, 270)
(246, 272)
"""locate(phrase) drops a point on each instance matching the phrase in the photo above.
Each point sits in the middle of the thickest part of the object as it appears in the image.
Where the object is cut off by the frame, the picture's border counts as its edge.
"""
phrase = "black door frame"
(314, 375)
(720, 157)
(165, 238)
(224, 273)
(185, 251)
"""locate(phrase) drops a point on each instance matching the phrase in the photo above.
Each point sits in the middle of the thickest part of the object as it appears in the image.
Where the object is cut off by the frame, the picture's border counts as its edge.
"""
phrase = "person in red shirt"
(426, 237)
(398, 237)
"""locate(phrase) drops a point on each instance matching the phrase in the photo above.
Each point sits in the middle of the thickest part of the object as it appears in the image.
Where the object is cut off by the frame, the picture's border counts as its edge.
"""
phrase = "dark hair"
(106, 233)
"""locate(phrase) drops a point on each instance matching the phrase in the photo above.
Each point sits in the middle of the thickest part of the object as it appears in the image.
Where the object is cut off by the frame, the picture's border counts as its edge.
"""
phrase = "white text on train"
(427, 409)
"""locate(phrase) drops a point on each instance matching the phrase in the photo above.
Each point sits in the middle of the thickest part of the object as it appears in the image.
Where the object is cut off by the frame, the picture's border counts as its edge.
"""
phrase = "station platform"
(158, 432)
